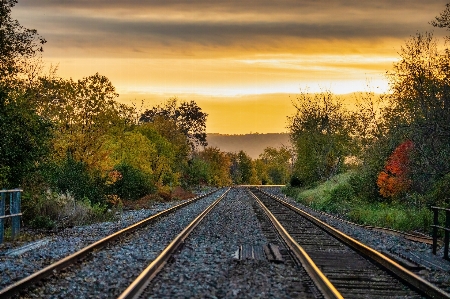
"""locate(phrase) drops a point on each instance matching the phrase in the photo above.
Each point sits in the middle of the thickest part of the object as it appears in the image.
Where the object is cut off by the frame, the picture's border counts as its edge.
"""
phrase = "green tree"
(419, 108)
(278, 164)
(17, 44)
(320, 134)
(242, 170)
(169, 141)
(171, 158)
(197, 172)
(132, 183)
(84, 113)
(218, 166)
(262, 174)
(24, 139)
(188, 117)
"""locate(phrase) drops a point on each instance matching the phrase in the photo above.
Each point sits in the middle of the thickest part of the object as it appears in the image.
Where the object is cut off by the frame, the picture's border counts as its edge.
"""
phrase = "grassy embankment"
(337, 196)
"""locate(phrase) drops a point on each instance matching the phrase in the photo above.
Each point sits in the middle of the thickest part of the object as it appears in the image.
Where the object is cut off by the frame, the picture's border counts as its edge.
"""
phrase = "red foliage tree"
(394, 179)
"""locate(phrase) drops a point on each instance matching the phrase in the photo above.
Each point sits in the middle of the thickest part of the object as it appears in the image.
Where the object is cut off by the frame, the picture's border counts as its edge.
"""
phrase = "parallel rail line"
(320, 280)
(140, 283)
(412, 236)
(22, 284)
(339, 264)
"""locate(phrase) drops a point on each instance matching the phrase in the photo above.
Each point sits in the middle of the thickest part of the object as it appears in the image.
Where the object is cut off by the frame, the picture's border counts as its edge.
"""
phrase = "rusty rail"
(412, 279)
(20, 285)
(319, 279)
(141, 282)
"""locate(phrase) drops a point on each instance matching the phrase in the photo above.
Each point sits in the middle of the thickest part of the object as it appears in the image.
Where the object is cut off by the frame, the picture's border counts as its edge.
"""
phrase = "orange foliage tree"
(394, 179)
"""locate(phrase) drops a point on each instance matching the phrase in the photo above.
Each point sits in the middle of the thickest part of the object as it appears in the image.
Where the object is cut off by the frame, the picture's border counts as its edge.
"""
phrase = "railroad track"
(227, 275)
(330, 275)
(349, 268)
(95, 254)
(140, 283)
(412, 236)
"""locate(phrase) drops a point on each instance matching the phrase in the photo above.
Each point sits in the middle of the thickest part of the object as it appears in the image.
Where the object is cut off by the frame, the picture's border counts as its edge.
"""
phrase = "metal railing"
(14, 212)
(445, 228)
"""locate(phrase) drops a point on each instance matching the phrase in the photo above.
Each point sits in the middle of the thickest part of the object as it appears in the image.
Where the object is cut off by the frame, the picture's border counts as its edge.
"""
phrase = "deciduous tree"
(320, 133)
(188, 116)
(17, 43)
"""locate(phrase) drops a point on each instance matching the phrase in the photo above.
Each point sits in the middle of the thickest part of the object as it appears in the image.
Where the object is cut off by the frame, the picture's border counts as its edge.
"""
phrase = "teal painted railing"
(14, 212)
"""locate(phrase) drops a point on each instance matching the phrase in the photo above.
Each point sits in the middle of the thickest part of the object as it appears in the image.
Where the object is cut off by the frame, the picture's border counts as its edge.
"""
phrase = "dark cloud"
(139, 24)
(239, 5)
(228, 32)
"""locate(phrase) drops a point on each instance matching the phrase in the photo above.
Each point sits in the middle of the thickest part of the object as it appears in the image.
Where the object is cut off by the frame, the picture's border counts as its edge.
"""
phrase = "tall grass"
(337, 196)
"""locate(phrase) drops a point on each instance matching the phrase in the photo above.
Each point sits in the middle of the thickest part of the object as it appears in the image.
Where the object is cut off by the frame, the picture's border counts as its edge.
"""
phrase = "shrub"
(440, 193)
(53, 209)
(43, 222)
(73, 177)
(132, 183)
(4, 173)
(393, 180)
(341, 193)
(296, 182)
(339, 196)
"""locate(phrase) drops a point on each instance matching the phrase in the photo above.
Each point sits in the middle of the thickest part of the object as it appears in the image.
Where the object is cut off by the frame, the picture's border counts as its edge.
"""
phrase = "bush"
(73, 177)
(4, 173)
(396, 217)
(338, 196)
(43, 222)
(440, 193)
(132, 184)
(296, 182)
(364, 186)
(53, 209)
(342, 193)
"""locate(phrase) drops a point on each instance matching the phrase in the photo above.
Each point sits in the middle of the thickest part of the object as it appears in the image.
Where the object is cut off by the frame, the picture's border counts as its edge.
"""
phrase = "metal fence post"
(435, 229)
(446, 233)
(2, 213)
(15, 209)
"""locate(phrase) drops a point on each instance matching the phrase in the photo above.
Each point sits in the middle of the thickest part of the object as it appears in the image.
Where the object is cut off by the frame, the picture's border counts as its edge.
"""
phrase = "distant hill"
(252, 144)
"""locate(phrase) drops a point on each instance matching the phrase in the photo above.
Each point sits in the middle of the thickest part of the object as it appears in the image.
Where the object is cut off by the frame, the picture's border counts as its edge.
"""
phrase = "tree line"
(397, 143)
(68, 141)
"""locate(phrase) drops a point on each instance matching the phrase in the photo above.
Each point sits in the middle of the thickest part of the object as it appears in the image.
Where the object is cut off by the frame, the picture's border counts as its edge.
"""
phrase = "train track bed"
(107, 272)
(434, 268)
(87, 233)
(17, 262)
(206, 266)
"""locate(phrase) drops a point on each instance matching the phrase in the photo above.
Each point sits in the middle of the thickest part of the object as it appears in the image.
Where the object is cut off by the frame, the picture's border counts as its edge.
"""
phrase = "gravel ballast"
(15, 267)
(207, 267)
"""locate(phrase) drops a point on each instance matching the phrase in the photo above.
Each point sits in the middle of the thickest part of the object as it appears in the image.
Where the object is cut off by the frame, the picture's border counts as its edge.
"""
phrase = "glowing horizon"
(227, 54)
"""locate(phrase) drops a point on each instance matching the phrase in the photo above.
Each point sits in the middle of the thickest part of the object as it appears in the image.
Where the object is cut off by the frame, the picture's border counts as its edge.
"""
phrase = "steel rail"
(319, 279)
(71, 259)
(410, 236)
(141, 282)
(407, 276)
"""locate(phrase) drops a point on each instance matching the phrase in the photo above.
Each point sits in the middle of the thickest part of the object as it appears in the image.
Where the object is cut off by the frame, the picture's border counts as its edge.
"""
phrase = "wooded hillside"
(252, 144)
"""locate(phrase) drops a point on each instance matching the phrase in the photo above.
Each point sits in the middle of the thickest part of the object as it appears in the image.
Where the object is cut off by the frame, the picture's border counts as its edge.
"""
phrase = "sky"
(243, 62)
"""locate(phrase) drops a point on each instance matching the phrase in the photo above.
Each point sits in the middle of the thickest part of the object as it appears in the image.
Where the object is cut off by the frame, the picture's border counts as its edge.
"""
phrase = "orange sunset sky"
(241, 61)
